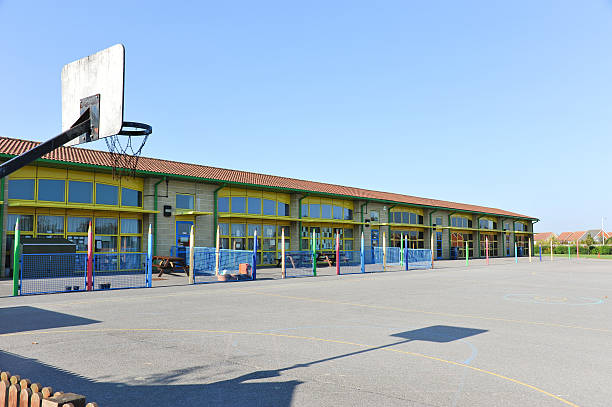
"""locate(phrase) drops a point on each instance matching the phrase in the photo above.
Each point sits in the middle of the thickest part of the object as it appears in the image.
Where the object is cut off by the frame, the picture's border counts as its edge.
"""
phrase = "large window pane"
(79, 241)
(106, 194)
(106, 226)
(315, 211)
(131, 197)
(253, 228)
(283, 209)
(304, 210)
(105, 243)
(223, 204)
(131, 226)
(26, 222)
(255, 206)
(413, 218)
(224, 229)
(326, 211)
(238, 204)
(78, 224)
(21, 189)
(337, 212)
(348, 214)
(238, 230)
(269, 207)
(51, 190)
(130, 243)
(374, 216)
(50, 224)
(348, 233)
(184, 201)
(80, 192)
(269, 231)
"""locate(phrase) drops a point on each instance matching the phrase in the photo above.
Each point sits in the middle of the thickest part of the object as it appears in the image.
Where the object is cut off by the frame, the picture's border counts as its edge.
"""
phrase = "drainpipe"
(155, 215)
(215, 212)
(2, 221)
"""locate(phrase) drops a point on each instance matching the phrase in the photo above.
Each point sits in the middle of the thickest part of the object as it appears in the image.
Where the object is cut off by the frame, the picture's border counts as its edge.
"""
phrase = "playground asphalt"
(506, 334)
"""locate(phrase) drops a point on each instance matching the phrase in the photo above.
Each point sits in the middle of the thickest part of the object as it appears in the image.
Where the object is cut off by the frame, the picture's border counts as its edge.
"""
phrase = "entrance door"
(438, 245)
(183, 229)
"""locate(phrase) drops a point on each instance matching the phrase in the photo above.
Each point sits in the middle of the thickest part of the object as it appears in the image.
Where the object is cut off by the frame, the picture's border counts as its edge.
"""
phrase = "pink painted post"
(89, 258)
(487, 249)
(338, 253)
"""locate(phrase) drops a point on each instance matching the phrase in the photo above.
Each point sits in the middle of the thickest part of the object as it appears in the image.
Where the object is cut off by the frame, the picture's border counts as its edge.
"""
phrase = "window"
(348, 214)
(80, 192)
(133, 226)
(223, 204)
(254, 206)
(238, 230)
(78, 224)
(106, 194)
(106, 234)
(26, 223)
(315, 211)
(269, 207)
(269, 231)
(520, 227)
(51, 190)
(283, 209)
(439, 222)
(106, 226)
(238, 204)
(374, 216)
(48, 224)
(326, 211)
(131, 197)
(304, 210)
(337, 212)
(184, 201)
(224, 229)
(21, 189)
(130, 243)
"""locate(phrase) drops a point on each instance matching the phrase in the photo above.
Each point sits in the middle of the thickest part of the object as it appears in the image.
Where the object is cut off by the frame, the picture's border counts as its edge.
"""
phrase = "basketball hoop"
(125, 154)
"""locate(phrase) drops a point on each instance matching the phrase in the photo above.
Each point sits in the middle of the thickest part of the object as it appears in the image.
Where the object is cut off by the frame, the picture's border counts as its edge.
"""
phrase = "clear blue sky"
(498, 103)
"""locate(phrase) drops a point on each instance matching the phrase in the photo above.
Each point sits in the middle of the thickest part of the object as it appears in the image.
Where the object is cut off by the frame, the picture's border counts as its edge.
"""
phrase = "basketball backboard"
(95, 81)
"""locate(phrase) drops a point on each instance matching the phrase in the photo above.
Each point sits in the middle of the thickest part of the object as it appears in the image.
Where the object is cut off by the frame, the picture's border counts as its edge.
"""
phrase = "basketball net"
(124, 154)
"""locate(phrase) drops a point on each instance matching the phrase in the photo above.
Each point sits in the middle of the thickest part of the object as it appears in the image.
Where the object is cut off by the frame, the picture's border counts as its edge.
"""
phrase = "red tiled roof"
(576, 236)
(11, 146)
(564, 236)
(543, 236)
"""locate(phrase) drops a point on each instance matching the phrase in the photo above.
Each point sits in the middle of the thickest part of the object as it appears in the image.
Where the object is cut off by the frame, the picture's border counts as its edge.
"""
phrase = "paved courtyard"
(528, 334)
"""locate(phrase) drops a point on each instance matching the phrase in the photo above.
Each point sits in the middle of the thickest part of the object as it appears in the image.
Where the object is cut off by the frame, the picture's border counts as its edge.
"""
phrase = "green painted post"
(467, 254)
(314, 253)
(16, 260)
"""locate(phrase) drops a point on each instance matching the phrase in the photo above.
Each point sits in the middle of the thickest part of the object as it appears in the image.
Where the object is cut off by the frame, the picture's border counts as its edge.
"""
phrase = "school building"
(58, 195)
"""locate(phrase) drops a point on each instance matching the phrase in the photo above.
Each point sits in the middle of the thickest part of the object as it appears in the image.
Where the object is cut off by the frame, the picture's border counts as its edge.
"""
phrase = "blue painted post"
(540, 252)
(150, 258)
(254, 266)
(362, 254)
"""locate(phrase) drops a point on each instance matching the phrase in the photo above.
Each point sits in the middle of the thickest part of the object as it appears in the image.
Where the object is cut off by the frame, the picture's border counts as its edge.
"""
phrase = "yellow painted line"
(445, 314)
(308, 338)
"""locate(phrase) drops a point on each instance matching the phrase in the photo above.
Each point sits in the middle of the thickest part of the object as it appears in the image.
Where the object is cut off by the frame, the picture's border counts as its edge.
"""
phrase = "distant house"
(543, 237)
(580, 236)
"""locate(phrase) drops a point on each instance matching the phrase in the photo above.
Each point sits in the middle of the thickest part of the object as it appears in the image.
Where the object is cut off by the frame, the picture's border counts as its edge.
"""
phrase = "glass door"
(183, 229)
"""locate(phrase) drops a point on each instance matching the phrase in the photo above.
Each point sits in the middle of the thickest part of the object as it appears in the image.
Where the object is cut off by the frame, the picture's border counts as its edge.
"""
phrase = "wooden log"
(24, 397)
(25, 383)
(92, 405)
(4, 388)
(47, 392)
(5, 376)
(36, 387)
(58, 393)
(13, 396)
(36, 400)
(65, 399)
(15, 379)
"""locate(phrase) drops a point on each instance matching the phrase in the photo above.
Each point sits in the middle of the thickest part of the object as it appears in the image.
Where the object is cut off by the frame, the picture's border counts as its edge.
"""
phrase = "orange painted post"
(283, 270)
(487, 249)
(338, 253)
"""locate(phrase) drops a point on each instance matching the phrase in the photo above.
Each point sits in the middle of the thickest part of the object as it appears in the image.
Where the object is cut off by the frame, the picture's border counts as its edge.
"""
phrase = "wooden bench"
(169, 264)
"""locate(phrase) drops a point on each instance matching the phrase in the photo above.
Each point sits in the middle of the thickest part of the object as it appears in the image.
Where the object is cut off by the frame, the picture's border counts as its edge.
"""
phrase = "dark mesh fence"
(52, 273)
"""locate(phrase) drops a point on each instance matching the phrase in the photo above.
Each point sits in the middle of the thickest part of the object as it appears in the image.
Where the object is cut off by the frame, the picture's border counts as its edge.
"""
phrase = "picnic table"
(170, 264)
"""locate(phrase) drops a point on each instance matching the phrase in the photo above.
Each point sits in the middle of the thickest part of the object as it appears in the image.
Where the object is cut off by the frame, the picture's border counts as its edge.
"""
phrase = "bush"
(605, 249)
(560, 249)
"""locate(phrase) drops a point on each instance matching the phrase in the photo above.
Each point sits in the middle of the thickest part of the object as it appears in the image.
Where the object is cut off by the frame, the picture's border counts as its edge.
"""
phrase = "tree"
(588, 240)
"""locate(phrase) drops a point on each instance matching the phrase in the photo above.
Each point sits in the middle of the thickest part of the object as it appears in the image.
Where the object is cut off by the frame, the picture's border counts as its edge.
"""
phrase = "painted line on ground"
(407, 310)
(307, 338)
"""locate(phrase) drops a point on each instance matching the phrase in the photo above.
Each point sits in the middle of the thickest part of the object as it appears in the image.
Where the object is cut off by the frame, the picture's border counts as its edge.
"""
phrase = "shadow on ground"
(251, 389)
(25, 318)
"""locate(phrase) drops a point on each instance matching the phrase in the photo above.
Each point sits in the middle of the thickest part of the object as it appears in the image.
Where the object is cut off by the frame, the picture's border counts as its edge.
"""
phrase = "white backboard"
(101, 73)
